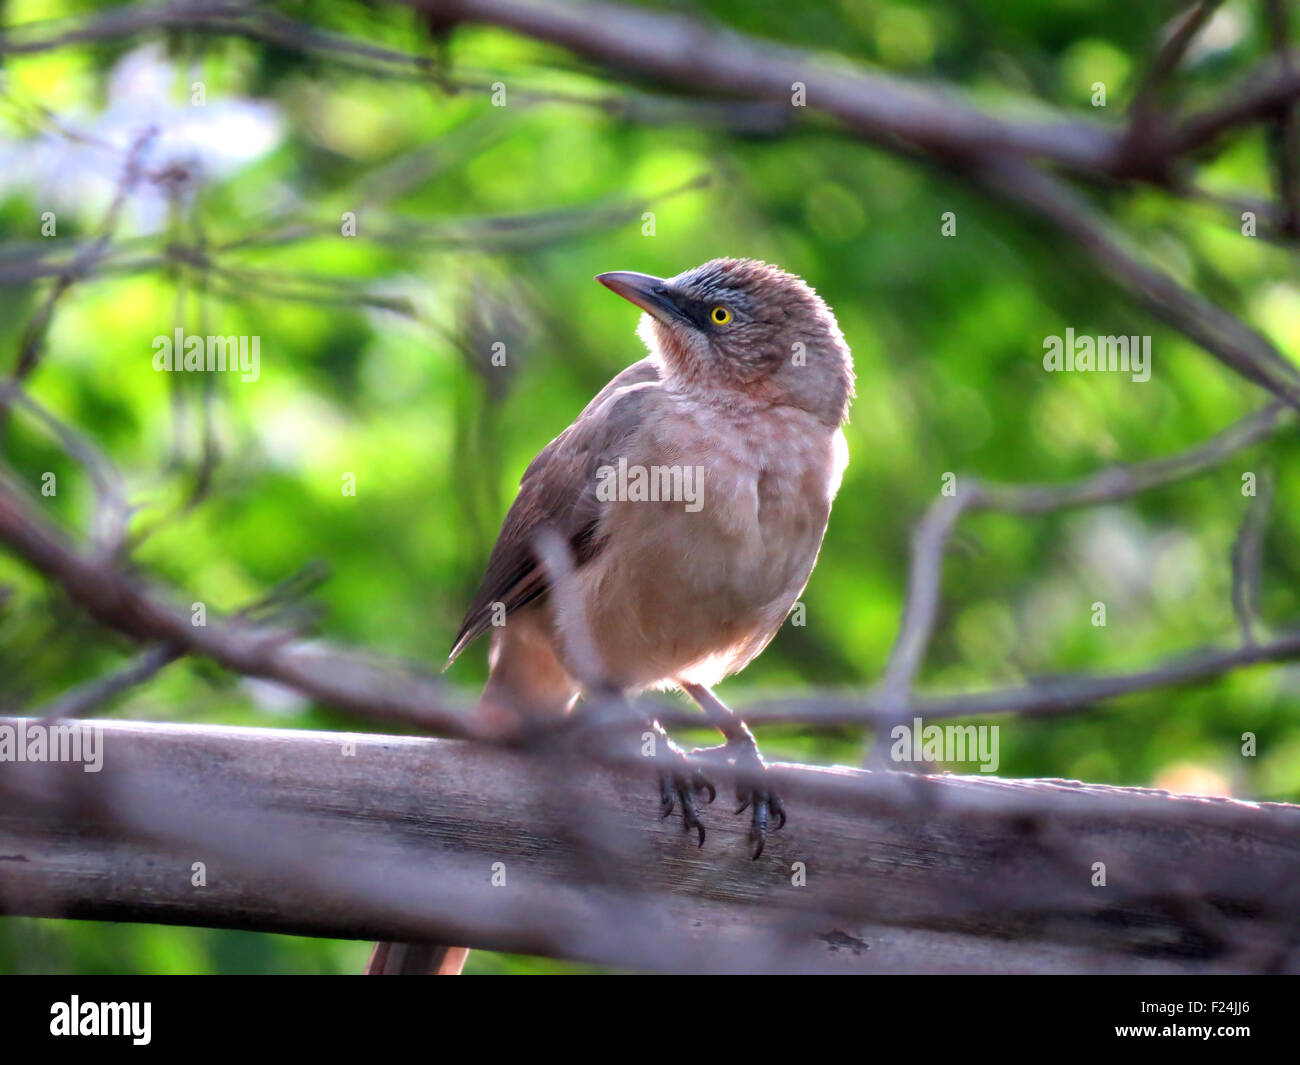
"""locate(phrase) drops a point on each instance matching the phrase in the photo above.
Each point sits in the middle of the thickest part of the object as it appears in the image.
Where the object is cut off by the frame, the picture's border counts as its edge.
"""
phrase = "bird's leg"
(681, 786)
(741, 749)
(679, 782)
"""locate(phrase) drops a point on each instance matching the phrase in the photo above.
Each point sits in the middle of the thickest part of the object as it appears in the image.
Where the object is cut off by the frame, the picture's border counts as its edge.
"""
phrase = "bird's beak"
(651, 294)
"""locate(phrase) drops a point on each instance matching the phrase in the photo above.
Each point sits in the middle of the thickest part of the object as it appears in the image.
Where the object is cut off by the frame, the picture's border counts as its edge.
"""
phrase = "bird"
(692, 495)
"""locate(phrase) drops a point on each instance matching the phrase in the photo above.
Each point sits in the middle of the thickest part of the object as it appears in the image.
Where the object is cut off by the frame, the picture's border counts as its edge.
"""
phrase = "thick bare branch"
(1226, 337)
(350, 683)
(901, 115)
(705, 59)
(903, 873)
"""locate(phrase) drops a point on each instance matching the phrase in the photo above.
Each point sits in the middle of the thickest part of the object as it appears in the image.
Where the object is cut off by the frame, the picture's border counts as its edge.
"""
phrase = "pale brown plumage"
(749, 380)
(670, 594)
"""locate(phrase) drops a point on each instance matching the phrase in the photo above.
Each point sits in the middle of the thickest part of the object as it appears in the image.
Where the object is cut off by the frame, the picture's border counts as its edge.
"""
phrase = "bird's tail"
(526, 681)
(416, 959)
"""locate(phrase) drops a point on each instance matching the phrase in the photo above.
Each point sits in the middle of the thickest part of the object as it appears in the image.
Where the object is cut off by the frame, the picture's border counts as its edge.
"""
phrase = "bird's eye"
(720, 315)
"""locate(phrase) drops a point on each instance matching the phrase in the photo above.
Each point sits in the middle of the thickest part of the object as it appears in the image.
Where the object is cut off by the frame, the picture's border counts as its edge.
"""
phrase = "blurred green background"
(478, 224)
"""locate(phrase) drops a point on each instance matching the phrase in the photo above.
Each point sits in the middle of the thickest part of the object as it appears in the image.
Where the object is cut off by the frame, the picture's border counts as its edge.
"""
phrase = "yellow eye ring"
(720, 315)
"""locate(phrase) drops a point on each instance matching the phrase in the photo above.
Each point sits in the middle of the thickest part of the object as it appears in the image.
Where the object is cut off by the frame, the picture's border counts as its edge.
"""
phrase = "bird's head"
(740, 324)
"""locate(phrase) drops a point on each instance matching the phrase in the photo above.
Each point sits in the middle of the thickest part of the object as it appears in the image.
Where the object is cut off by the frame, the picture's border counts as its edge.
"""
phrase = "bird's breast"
(709, 577)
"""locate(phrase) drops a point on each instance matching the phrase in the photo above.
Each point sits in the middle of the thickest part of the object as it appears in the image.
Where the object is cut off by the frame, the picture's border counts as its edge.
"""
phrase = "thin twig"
(33, 338)
(1247, 554)
(95, 695)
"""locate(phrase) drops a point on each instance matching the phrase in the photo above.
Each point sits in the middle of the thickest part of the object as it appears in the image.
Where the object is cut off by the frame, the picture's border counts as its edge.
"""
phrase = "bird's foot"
(752, 790)
(681, 787)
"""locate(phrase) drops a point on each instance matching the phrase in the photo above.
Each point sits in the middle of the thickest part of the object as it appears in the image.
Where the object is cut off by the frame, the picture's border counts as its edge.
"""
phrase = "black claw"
(666, 798)
(766, 805)
(690, 819)
(779, 810)
(751, 794)
(674, 787)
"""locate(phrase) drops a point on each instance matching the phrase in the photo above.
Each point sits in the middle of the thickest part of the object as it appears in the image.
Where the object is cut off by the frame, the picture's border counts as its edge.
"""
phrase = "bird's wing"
(558, 491)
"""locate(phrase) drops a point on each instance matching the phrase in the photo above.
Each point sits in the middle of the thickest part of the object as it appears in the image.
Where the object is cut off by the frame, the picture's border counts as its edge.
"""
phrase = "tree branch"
(300, 832)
